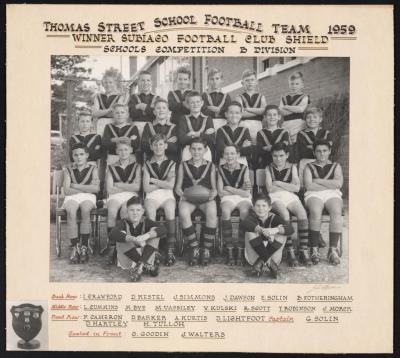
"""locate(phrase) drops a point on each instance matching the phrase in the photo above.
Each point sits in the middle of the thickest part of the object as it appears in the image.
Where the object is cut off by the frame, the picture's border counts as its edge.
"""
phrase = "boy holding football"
(196, 187)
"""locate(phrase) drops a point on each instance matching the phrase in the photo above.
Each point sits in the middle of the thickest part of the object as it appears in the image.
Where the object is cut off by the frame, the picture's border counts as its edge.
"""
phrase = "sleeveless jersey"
(294, 100)
(325, 172)
(106, 102)
(123, 175)
(233, 137)
(254, 102)
(277, 136)
(284, 175)
(196, 175)
(235, 178)
(92, 141)
(165, 129)
(161, 171)
(83, 177)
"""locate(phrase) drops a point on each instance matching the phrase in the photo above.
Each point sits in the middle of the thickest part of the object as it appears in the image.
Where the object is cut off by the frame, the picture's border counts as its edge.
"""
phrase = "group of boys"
(179, 151)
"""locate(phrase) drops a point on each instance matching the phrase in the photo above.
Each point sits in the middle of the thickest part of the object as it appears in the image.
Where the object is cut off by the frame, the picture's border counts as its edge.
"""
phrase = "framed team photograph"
(199, 169)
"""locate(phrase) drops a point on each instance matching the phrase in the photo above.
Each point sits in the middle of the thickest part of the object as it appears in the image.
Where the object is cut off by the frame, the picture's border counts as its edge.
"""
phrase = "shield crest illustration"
(27, 323)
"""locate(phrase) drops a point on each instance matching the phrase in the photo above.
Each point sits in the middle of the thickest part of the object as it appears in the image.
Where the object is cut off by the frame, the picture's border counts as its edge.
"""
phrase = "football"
(197, 194)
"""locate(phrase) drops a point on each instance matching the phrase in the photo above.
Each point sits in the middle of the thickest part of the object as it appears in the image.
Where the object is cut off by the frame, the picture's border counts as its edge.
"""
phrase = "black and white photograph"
(199, 169)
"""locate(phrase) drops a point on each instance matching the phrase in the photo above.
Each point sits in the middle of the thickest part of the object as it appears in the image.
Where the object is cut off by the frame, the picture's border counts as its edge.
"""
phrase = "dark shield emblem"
(27, 323)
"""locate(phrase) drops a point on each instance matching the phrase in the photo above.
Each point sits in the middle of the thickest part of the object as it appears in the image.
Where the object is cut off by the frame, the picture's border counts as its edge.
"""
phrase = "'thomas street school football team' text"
(180, 161)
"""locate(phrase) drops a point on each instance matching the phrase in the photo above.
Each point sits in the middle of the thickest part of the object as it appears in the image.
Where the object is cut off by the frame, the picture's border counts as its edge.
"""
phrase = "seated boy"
(81, 183)
(265, 236)
(197, 172)
(158, 184)
(270, 135)
(85, 136)
(234, 189)
(196, 125)
(307, 137)
(282, 183)
(215, 101)
(234, 134)
(141, 105)
(293, 105)
(120, 128)
(122, 182)
(137, 241)
(253, 104)
(323, 180)
(161, 125)
(176, 99)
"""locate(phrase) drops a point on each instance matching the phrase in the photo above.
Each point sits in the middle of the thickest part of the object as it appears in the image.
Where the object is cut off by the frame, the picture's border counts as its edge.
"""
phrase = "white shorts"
(121, 198)
(254, 126)
(323, 195)
(241, 160)
(80, 198)
(186, 155)
(160, 196)
(294, 127)
(286, 197)
(236, 199)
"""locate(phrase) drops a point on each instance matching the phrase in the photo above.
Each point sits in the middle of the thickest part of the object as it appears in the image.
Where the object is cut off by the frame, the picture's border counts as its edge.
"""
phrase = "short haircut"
(160, 100)
(120, 105)
(123, 141)
(313, 110)
(86, 112)
(157, 137)
(295, 76)
(183, 70)
(213, 72)
(192, 94)
(321, 142)
(199, 140)
(271, 107)
(141, 73)
(233, 146)
(248, 73)
(235, 103)
(135, 200)
(80, 146)
(263, 196)
(279, 146)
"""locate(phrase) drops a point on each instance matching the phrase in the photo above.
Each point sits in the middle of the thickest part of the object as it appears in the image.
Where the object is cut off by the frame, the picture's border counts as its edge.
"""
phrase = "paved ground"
(217, 271)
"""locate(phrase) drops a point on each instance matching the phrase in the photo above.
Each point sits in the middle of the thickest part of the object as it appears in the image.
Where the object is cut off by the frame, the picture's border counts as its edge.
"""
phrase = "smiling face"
(144, 83)
(195, 103)
(135, 213)
(215, 81)
(234, 114)
(85, 123)
(279, 157)
(120, 115)
(230, 154)
(261, 208)
(322, 153)
(80, 156)
(161, 111)
(159, 147)
(109, 84)
(272, 117)
(249, 83)
(183, 81)
(296, 85)
(197, 150)
(124, 151)
(313, 120)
